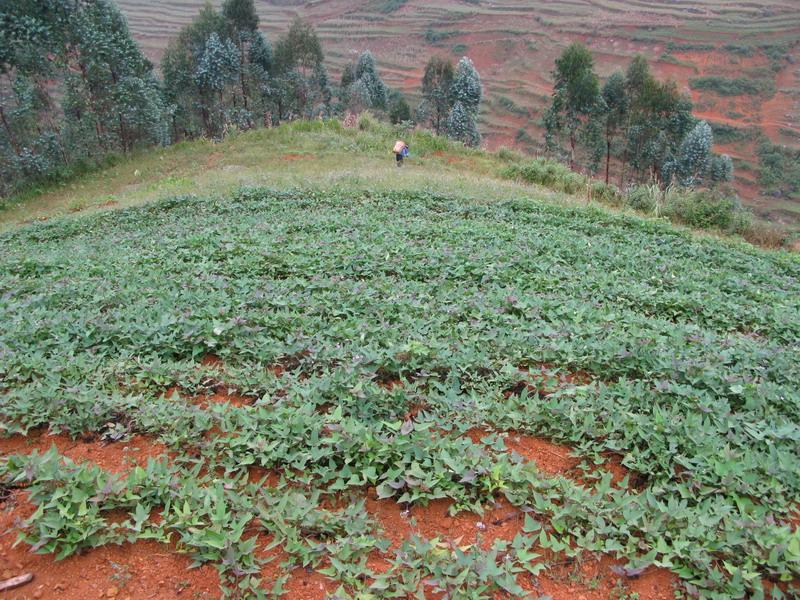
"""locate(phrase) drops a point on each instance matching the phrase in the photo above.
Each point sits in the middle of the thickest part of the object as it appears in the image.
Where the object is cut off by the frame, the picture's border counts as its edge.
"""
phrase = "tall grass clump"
(547, 173)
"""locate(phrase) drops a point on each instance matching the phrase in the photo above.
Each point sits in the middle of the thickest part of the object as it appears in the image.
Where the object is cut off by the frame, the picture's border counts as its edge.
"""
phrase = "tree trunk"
(622, 169)
(206, 122)
(245, 91)
(572, 150)
(98, 126)
(608, 156)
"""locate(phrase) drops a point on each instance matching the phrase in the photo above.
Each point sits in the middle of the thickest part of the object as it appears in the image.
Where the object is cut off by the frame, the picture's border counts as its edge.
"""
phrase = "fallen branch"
(15, 582)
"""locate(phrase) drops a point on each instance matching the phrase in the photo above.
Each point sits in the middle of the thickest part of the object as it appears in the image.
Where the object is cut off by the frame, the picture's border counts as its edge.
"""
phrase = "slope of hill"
(391, 382)
(702, 43)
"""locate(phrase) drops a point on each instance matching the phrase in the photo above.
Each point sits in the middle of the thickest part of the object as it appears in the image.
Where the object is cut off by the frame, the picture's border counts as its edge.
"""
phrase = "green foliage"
(299, 49)
(437, 82)
(728, 134)
(692, 163)
(386, 6)
(301, 87)
(466, 87)
(737, 86)
(779, 169)
(689, 348)
(659, 119)
(615, 106)
(76, 89)
(510, 106)
(465, 93)
(548, 173)
(707, 210)
(576, 97)
(461, 126)
(689, 47)
(362, 87)
(399, 109)
(217, 72)
(241, 15)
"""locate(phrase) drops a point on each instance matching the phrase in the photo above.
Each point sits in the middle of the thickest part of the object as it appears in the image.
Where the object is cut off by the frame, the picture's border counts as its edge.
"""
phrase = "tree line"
(644, 125)
(75, 87)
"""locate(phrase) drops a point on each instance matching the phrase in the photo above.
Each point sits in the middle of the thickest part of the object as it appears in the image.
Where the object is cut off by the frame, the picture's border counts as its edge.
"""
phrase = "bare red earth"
(591, 579)
(116, 457)
(145, 569)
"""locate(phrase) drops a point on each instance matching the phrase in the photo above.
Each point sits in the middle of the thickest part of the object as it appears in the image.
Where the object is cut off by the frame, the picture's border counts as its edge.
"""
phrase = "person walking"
(400, 151)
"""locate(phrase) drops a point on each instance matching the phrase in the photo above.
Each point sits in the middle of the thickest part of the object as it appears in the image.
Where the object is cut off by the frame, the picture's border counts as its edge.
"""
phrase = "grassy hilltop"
(320, 376)
(739, 61)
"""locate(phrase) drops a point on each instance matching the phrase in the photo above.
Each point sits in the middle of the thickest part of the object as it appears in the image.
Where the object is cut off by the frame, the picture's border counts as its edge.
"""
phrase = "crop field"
(514, 44)
(354, 394)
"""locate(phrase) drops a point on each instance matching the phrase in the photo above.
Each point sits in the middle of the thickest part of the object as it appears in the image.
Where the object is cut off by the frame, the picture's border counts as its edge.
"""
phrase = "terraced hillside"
(397, 383)
(514, 44)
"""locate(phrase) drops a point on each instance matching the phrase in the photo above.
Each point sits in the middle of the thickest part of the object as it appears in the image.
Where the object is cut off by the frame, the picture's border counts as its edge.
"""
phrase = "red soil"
(116, 457)
(157, 571)
(592, 579)
(550, 458)
(145, 569)
(211, 360)
(294, 157)
(224, 398)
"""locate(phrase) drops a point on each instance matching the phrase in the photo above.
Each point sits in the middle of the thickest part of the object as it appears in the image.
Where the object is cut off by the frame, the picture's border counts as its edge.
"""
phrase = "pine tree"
(575, 97)
(465, 93)
(368, 73)
(321, 89)
(241, 16)
(461, 125)
(259, 80)
(693, 160)
(362, 87)
(437, 85)
(466, 87)
(721, 169)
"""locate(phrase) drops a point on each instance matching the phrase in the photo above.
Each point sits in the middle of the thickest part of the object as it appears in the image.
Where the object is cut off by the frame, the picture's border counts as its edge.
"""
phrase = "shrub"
(738, 86)
(766, 235)
(425, 142)
(366, 121)
(707, 210)
(606, 193)
(779, 169)
(508, 155)
(548, 173)
(643, 198)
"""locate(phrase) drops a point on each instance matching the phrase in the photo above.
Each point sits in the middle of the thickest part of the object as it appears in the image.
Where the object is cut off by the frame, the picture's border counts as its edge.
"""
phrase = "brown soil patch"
(591, 579)
(295, 157)
(550, 458)
(256, 474)
(211, 360)
(224, 398)
(501, 521)
(115, 457)
(145, 569)
(594, 579)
